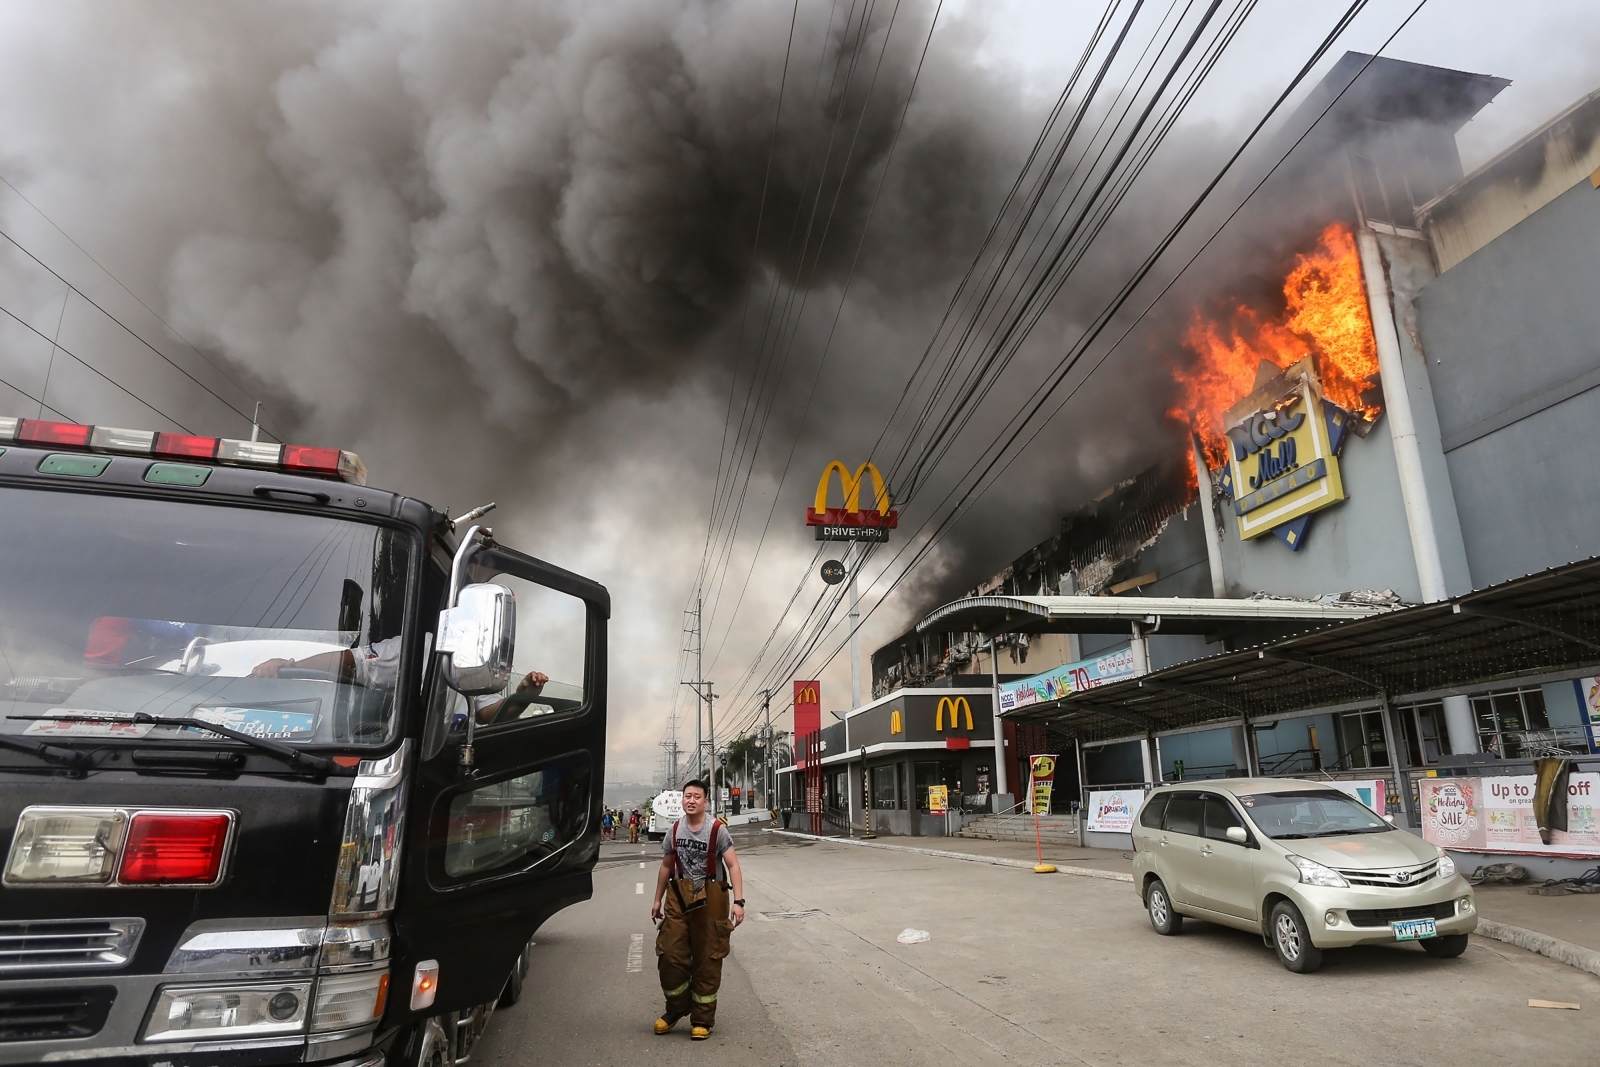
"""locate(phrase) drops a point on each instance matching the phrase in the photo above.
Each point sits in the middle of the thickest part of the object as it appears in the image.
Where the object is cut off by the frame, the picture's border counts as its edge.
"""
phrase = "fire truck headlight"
(198, 1013)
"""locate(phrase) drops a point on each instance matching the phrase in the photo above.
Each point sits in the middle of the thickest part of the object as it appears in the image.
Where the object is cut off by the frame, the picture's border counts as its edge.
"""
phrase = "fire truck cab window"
(552, 632)
(509, 826)
(283, 625)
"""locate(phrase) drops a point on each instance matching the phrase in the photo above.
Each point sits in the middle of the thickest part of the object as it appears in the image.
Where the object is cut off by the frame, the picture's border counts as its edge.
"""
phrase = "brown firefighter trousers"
(690, 948)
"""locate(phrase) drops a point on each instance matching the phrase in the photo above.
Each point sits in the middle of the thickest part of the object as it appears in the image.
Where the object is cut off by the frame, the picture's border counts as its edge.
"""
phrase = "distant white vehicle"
(664, 811)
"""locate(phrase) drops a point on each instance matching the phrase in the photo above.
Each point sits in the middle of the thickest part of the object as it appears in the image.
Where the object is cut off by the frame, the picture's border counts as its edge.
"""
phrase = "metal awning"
(1540, 625)
(1116, 614)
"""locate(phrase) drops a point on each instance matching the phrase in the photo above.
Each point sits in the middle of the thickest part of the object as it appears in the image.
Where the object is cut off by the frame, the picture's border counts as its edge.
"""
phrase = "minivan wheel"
(1445, 946)
(1292, 940)
(1166, 921)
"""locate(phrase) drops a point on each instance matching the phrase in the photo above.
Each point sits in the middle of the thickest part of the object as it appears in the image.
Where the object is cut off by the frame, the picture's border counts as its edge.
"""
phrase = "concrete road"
(1021, 968)
(592, 992)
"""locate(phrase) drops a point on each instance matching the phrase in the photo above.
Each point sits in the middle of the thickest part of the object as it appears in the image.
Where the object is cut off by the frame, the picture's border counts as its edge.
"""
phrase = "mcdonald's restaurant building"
(887, 758)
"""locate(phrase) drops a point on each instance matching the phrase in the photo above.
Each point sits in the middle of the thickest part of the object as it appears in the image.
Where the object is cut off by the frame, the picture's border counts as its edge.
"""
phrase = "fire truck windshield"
(280, 625)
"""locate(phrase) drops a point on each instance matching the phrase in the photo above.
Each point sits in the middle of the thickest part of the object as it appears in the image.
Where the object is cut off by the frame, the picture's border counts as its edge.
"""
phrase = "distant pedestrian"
(633, 827)
(692, 904)
(605, 826)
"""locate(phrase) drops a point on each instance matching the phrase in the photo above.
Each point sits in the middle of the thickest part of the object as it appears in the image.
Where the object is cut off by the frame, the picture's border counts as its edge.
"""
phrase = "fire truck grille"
(54, 1013)
(68, 944)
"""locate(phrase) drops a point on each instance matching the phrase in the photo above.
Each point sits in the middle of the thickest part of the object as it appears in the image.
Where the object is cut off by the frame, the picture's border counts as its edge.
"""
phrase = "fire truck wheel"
(519, 973)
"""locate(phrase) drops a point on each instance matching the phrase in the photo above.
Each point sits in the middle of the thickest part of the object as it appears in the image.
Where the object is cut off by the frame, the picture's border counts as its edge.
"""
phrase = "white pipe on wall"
(1402, 423)
(1408, 462)
(1208, 518)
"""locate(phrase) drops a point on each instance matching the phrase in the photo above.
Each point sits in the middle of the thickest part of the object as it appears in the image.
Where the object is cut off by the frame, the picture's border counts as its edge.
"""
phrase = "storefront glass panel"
(883, 787)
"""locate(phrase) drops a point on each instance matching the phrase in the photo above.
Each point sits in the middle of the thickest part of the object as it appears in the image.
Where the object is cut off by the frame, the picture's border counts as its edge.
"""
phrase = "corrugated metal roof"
(1545, 623)
(1114, 614)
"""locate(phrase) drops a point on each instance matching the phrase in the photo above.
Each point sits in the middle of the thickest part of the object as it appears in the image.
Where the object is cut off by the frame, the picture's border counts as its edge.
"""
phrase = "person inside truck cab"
(377, 666)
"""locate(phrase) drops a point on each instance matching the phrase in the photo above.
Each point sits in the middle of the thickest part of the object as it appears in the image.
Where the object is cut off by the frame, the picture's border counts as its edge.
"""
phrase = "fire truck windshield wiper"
(65, 757)
(296, 759)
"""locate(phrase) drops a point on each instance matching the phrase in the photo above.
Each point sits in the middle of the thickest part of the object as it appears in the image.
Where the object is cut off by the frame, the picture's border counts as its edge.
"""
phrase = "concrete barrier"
(1584, 959)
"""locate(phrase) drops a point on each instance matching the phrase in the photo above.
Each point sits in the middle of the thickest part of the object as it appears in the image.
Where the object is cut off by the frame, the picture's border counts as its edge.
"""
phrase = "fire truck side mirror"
(480, 635)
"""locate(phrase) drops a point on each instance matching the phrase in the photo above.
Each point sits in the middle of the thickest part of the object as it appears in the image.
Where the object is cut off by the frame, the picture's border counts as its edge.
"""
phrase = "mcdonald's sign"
(851, 522)
(897, 725)
(956, 707)
(807, 707)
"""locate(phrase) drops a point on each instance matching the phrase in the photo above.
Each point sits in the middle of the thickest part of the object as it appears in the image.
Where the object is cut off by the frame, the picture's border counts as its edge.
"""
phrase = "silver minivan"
(1303, 864)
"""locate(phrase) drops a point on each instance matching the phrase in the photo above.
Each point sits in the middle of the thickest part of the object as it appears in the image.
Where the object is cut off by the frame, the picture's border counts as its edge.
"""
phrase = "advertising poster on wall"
(1110, 666)
(1041, 782)
(938, 799)
(1370, 791)
(1496, 815)
(1589, 707)
(1113, 812)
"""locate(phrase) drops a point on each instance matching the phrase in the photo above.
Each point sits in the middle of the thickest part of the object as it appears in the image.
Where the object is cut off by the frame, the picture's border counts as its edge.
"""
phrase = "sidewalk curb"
(998, 861)
(1584, 959)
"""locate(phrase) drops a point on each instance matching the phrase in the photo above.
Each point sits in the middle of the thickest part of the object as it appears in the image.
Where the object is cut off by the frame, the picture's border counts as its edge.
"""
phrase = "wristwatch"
(740, 902)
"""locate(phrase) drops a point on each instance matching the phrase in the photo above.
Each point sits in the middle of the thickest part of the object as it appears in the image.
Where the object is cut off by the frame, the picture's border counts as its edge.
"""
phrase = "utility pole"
(699, 674)
(711, 728)
(855, 622)
(766, 747)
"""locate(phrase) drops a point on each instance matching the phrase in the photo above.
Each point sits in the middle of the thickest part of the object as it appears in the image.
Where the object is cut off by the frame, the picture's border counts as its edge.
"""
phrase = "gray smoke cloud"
(506, 251)
(509, 251)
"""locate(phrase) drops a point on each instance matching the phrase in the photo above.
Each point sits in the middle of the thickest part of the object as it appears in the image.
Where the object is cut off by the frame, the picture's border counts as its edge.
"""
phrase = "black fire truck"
(291, 769)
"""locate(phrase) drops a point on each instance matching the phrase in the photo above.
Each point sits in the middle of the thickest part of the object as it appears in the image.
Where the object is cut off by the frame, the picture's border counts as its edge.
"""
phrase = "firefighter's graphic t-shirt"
(692, 845)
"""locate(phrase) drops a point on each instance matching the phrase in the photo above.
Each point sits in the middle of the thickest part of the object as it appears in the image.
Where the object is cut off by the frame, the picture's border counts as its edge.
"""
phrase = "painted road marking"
(635, 952)
(641, 865)
(638, 889)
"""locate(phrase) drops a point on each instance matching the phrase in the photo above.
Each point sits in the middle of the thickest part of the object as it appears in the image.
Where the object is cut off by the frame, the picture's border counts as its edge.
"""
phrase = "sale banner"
(1041, 782)
(1496, 815)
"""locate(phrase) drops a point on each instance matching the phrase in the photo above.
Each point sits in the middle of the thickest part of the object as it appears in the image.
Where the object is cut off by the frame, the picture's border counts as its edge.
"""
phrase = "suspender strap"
(712, 855)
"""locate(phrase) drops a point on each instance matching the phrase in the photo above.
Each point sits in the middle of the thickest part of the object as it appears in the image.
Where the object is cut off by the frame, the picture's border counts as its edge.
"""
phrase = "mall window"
(944, 772)
(1514, 725)
(883, 795)
(1361, 740)
(1426, 735)
(902, 793)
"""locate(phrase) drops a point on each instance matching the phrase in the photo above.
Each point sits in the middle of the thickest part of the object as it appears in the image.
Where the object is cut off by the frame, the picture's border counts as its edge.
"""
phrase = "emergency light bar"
(291, 459)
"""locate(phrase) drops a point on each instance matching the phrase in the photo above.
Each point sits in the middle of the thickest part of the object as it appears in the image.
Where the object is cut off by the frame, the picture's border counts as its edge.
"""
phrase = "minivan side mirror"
(1237, 835)
(480, 635)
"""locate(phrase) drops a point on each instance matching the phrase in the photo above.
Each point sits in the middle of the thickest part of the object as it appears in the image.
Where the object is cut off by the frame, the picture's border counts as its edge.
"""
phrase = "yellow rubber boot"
(699, 1033)
(664, 1025)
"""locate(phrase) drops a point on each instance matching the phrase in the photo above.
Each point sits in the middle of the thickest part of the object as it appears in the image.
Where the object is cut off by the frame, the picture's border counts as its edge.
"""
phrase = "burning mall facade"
(1402, 422)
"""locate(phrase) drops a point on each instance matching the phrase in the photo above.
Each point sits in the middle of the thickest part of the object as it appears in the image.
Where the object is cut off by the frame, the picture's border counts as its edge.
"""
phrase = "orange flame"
(1325, 316)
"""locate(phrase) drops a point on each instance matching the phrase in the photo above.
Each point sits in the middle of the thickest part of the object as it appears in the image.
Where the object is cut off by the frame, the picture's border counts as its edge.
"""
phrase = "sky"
(534, 252)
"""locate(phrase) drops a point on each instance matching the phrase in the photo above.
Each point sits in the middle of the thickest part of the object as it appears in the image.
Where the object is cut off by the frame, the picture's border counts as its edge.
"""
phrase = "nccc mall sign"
(1284, 442)
(850, 522)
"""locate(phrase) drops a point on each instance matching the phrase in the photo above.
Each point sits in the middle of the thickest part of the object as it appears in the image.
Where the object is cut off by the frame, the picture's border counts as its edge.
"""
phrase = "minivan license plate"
(1414, 929)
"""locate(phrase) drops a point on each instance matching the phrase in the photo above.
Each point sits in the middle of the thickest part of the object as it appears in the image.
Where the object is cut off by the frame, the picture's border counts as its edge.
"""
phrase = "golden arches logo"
(897, 725)
(851, 513)
(806, 695)
(955, 707)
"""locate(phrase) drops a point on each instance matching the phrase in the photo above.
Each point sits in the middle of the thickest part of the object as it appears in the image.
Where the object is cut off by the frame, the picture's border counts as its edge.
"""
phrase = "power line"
(137, 298)
(1102, 320)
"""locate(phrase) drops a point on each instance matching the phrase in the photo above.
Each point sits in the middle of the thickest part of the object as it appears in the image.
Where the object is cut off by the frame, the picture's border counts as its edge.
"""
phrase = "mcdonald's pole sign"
(807, 708)
(851, 522)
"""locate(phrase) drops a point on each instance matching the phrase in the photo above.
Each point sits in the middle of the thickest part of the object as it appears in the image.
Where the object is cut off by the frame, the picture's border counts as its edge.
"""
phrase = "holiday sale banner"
(1496, 815)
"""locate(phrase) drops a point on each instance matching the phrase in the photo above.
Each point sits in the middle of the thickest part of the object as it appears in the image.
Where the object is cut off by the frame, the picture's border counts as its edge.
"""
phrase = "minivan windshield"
(276, 624)
(1311, 813)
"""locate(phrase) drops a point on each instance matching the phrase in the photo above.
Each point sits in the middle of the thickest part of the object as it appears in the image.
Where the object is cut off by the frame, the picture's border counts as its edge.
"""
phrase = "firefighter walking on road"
(699, 873)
